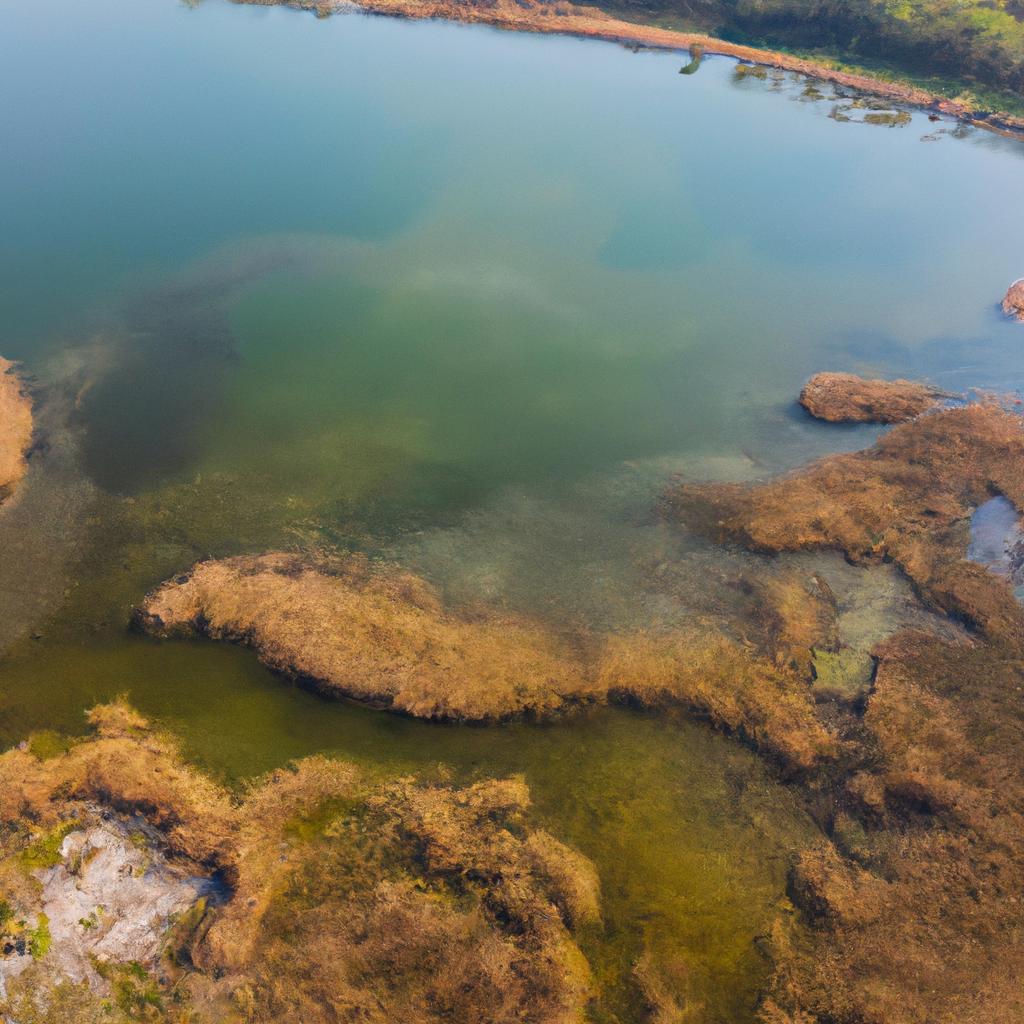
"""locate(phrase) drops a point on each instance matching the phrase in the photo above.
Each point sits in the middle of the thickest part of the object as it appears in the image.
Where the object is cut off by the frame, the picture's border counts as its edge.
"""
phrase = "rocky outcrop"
(109, 898)
(1013, 301)
(15, 428)
(344, 899)
(847, 398)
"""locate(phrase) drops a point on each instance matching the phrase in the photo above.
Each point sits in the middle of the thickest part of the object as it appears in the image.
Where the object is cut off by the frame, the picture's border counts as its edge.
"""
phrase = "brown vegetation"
(384, 636)
(372, 633)
(770, 706)
(15, 428)
(1013, 301)
(847, 398)
(347, 900)
(915, 895)
(907, 500)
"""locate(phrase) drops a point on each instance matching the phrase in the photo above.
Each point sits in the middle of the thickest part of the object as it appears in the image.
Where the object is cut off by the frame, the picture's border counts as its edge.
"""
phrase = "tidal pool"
(467, 300)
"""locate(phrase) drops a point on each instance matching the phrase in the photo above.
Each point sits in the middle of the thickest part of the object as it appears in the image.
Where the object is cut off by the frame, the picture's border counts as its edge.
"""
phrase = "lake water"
(466, 299)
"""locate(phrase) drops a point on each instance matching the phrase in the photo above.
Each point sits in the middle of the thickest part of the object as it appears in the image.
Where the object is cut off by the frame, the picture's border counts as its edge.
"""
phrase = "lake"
(467, 300)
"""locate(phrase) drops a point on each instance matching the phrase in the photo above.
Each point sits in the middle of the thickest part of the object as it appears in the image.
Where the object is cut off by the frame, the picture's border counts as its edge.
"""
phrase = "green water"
(467, 300)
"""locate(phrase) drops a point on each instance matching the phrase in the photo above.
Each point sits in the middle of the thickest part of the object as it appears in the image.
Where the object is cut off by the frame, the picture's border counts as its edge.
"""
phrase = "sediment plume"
(847, 398)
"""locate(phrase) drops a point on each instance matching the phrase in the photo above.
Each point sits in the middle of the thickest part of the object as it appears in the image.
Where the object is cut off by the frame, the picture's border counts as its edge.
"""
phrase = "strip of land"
(592, 23)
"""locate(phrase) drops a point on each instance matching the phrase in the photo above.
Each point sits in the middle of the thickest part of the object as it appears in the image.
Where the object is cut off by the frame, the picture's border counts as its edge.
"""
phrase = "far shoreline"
(592, 23)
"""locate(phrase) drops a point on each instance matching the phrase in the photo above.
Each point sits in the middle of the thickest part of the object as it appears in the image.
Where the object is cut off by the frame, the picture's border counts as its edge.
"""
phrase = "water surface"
(467, 300)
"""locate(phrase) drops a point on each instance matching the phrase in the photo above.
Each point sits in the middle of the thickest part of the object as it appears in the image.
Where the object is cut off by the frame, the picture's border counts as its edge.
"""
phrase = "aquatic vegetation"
(907, 500)
(717, 680)
(742, 71)
(408, 901)
(696, 57)
(847, 398)
(865, 110)
(913, 895)
(1013, 300)
(372, 633)
(553, 306)
(15, 428)
(383, 636)
(41, 530)
(979, 43)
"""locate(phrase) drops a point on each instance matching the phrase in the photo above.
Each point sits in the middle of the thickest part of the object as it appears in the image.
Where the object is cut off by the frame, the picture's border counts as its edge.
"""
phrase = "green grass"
(39, 939)
(45, 851)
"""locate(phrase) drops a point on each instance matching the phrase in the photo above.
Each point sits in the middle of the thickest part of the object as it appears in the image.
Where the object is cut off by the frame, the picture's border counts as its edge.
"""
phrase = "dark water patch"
(145, 418)
(997, 541)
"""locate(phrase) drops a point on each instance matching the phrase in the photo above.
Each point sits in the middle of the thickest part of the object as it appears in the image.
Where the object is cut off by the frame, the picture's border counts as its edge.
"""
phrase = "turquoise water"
(466, 299)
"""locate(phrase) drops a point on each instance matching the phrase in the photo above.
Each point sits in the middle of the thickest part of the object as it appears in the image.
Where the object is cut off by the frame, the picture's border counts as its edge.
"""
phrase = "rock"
(1013, 301)
(112, 896)
(847, 398)
(15, 428)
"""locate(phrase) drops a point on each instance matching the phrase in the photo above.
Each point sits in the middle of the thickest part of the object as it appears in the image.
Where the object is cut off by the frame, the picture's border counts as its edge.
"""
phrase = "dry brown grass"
(373, 633)
(916, 894)
(847, 398)
(383, 636)
(15, 428)
(348, 901)
(738, 691)
(907, 500)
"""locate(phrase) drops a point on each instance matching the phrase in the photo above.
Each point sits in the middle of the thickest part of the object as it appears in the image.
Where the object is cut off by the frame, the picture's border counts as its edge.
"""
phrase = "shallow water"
(466, 299)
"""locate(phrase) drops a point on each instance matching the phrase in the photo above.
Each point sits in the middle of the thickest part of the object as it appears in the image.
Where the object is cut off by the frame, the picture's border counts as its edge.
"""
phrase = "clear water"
(466, 299)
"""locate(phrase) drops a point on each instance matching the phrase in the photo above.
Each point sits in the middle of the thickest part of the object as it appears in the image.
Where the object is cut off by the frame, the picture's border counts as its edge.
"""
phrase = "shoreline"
(592, 23)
